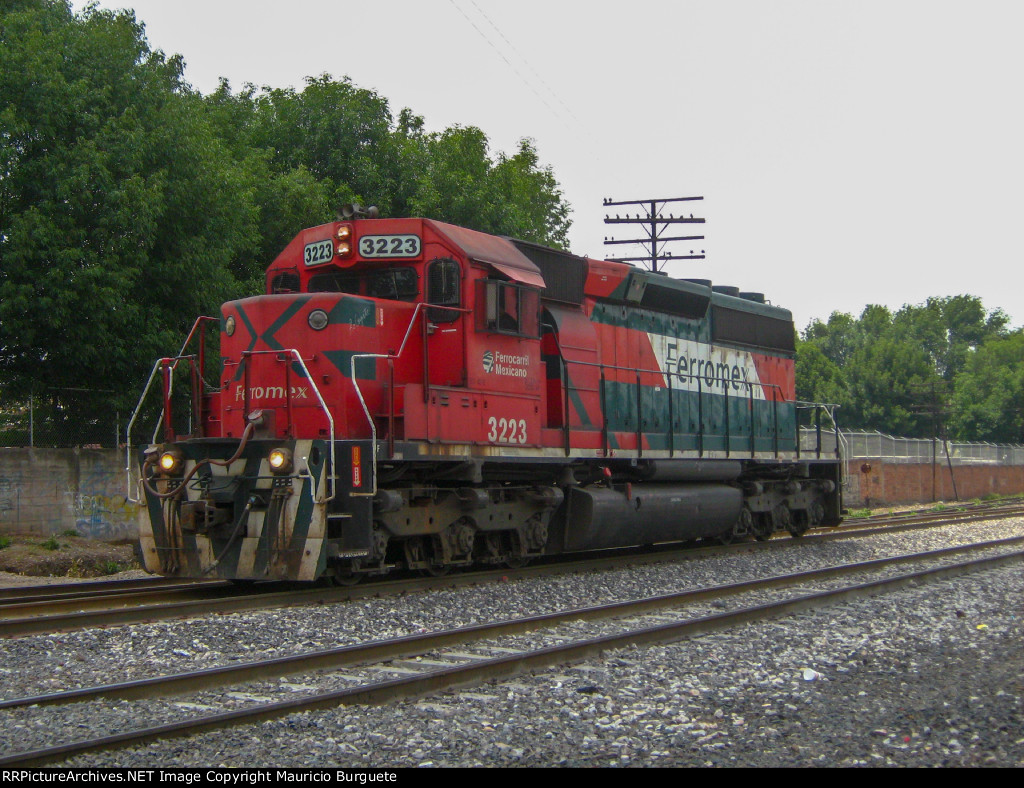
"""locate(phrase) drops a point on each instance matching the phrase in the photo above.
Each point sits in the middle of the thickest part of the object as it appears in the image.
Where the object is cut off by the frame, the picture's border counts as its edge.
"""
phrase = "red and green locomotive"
(411, 394)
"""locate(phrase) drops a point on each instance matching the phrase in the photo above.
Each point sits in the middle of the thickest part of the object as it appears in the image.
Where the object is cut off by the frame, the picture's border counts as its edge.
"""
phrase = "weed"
(51, 544)
(109, 568)
(4, 542)
(859, 513)
(76, 569)
(69, 532)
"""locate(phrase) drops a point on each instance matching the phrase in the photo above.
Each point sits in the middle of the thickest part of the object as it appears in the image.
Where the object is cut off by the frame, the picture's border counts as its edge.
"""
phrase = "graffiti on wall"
(99, 511)
(100, 516)
(10, 489)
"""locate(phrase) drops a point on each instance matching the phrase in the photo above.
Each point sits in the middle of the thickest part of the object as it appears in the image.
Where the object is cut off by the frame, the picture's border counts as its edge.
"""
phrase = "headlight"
(344, 248)
(317, 320)
(344, 232)
(170, 462)
(229, 326)
(280, 461)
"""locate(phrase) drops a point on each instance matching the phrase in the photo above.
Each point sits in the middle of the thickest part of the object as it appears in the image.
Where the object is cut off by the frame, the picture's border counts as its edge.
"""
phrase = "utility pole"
(938, 409)
(654, 224)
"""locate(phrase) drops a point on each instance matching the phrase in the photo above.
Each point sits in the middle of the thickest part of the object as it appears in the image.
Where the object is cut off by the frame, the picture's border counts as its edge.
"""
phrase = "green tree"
(949, 329)
(988, 396)
(121, 215)
(346, 138)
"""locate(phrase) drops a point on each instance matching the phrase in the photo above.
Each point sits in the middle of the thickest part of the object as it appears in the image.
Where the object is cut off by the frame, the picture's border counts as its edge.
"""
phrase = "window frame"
(489, 311)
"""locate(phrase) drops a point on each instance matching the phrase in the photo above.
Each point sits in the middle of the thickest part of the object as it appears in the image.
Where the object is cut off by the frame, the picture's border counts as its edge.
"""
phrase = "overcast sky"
(848, 152)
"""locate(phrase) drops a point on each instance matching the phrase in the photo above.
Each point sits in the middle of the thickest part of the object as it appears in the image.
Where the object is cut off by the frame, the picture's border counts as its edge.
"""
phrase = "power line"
(525, 61)
(501, 54)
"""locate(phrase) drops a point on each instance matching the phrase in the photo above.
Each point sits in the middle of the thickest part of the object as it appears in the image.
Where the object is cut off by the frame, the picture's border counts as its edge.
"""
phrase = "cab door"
(445, 356)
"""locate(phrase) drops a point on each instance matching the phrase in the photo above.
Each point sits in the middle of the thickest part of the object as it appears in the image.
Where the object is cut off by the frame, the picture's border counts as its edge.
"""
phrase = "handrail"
(690, 377)
(172, 362)
(323, 405)
(420, 307)
(201, 320)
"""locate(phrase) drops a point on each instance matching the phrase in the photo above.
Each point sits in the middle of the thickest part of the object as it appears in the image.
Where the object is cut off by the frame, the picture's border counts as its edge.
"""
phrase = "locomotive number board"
(319, 252)
(389, 246)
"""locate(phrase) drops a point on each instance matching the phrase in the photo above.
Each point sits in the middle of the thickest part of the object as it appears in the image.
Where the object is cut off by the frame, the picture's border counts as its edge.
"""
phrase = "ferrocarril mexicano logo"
(505, 364)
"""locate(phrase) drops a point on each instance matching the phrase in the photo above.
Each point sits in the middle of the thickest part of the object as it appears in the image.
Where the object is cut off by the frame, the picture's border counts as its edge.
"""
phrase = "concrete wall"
(892, 483)
(49, 491)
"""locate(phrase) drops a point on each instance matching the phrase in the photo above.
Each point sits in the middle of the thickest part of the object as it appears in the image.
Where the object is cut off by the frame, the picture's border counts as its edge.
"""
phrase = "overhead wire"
(501, 54)
(512, 46)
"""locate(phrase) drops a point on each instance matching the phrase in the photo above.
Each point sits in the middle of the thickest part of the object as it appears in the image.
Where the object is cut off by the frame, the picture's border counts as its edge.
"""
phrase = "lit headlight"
(344, 232)
(344, 249)
(170, 462)
(280, 461)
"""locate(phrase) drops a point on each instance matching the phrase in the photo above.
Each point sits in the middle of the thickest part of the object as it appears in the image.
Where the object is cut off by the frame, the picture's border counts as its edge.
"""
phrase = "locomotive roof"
(492, 250)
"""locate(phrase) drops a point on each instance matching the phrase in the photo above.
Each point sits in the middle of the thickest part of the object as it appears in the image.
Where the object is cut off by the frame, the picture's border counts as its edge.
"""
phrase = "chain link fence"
(877, 445)
(31, 426)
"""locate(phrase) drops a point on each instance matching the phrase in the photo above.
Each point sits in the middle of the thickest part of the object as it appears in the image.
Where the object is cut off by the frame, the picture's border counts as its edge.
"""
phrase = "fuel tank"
(597, 518)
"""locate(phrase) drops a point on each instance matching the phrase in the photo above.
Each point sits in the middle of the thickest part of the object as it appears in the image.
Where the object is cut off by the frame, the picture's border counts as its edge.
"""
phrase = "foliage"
(51, 544)
(120, 215)
(130, 204)
(988, 396)
(947, 363)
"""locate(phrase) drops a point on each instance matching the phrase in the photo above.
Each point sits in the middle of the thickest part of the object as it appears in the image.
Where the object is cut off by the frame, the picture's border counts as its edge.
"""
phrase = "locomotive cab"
(374, 340)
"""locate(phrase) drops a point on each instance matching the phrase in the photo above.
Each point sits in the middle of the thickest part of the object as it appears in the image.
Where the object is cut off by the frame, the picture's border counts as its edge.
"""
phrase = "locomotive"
(412, 394)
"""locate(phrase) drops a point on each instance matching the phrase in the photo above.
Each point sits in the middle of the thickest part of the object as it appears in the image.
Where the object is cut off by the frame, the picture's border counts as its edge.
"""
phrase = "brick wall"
(49, 491)
(887, 484)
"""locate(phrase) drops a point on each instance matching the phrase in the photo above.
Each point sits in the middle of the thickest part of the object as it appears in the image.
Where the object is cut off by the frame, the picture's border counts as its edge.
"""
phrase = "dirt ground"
(33, 560)
(28, 559)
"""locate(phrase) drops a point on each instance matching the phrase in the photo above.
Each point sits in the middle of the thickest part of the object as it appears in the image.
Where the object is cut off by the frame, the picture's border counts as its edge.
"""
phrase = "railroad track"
(162, 599)
(423, 664)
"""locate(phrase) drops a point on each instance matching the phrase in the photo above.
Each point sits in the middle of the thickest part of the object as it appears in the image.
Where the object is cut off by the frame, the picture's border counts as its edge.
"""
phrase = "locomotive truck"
(411, 394)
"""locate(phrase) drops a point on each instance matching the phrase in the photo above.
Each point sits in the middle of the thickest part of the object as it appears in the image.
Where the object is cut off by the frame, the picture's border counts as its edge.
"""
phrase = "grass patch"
(111, 568)
(50, 544)
(69, 532)
(859, 513)
(5, 541)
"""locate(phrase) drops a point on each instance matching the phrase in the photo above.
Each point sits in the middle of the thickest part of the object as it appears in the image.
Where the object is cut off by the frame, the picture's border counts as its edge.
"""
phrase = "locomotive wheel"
(517, 563)
(345, 578)
(436, 571)
(798, 524)
(743, 526)
(763, 526)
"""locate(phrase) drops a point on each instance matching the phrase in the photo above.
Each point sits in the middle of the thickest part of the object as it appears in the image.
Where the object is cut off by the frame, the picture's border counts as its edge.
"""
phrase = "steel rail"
(506, 666)
(39, 624)
(417, 644)
(17, 595)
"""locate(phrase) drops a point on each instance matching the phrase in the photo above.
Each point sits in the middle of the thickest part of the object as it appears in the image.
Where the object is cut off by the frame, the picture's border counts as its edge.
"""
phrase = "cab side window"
(507, 308)
(444, 289)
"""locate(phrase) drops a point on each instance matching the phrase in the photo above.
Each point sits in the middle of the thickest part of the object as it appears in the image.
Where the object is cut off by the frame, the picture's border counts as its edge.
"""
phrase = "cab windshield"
(393, 284)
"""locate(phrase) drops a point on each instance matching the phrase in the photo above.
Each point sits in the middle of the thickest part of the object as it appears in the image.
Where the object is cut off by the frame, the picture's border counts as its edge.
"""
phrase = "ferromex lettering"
(271, 392)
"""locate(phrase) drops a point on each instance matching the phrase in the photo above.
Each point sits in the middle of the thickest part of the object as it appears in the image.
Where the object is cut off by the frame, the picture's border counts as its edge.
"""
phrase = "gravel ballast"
(930, 675)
